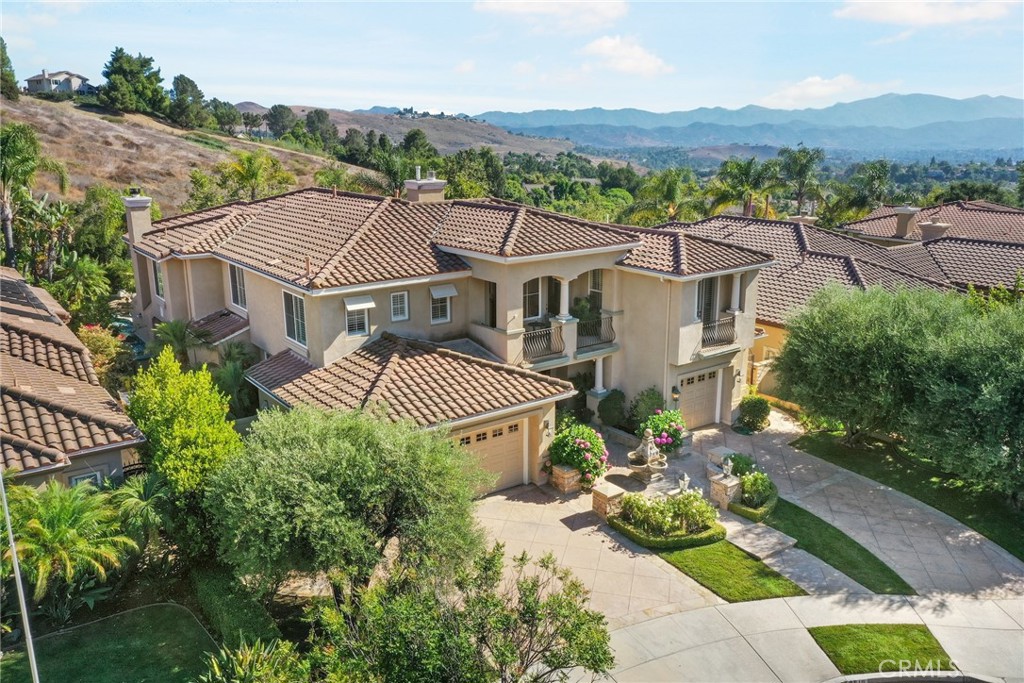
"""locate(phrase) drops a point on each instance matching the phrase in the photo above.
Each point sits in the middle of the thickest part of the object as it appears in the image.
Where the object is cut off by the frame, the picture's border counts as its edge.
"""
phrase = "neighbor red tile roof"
(220, 325)
(972, 219)
(982, 263)
(417, 380)
(667, 250)
(52, 405)
(807, 259)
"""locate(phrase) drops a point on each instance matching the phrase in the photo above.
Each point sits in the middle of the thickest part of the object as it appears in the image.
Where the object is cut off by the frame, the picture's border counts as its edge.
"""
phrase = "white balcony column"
(737, 282)
(599, 375)
(563, 299)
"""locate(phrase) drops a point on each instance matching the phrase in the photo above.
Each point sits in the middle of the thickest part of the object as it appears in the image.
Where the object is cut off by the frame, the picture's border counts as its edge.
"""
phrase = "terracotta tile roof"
(507, 229)
(220, 325)
(808, 258)
(417, 380)
(669, 250)
(970, 219)
(982, 263)
(52, 405)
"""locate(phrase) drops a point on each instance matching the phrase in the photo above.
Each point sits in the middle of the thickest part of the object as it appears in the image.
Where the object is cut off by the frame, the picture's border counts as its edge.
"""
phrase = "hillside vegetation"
(134, 150)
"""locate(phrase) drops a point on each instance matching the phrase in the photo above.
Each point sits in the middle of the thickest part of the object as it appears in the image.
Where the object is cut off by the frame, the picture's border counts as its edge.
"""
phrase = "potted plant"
(578, 458)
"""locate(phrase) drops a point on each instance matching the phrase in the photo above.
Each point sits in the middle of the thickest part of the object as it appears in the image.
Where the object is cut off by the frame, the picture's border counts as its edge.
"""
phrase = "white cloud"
(816, 91)
(625, 55)
(897, 38)
(923, 12)
(556, 16)
(465, 66)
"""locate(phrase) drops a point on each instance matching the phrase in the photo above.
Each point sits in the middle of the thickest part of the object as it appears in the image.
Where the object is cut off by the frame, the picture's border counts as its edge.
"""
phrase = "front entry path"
(933, 552)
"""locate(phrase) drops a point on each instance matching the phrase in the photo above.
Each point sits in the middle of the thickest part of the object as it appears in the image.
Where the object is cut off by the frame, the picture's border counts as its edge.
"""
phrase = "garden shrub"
(644, 404)
(612, 408)
(229, 610)
(741, 464)
(689, 512)
(581, 447)
(577, 405)
(757, 489)
(667, 426)
(674, 541)
(754, 412)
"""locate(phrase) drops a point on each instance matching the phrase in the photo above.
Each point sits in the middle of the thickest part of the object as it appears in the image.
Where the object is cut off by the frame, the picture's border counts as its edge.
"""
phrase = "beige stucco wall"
(774, 338)
(266, 315)
(107, 464)
(206, 286)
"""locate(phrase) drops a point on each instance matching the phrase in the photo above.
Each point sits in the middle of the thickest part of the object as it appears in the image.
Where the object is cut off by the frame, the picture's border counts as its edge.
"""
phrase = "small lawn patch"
(732, 573)
(155, 644)
(873, 648)
(823, 540)
(986, 512)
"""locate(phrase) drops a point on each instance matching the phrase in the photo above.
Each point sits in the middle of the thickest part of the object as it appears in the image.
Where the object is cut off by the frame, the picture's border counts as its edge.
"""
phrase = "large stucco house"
(59, 82)
(456, 313)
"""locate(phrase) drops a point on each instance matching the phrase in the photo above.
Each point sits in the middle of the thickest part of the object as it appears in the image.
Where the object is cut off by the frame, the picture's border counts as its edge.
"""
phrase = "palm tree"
(800, 170)
(337, 176)
(20, 160)
(745, 182)
(81, 281)
(66, 533)
(181, 338)
(390, 171)
(230, 379)
(140, 502)
(256, 174)
(671, 195)
(52, 230)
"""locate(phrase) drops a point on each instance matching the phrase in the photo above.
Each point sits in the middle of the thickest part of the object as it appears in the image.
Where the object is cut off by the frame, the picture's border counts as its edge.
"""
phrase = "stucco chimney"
(905, 220)
(806, 220)
(137, 212)
(933, 231)
(46, 74)
(426, 191)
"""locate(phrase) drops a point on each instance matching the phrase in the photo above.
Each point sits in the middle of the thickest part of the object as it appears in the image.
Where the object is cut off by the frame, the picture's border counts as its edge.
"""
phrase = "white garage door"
(500, 449)
(697, 394)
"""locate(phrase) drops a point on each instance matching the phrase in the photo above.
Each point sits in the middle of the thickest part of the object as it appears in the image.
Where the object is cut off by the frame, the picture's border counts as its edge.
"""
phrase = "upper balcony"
(721, 332)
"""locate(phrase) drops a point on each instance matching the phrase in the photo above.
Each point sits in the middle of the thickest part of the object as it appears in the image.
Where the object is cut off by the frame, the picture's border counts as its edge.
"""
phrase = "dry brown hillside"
(447, 135)
(132, 149)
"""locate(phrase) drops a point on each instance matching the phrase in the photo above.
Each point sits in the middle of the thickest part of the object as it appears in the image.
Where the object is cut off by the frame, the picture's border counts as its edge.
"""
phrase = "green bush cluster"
(644, 404)
(688, 512)
(675, 541)
(741, 464)
(754, 412)
(235, 615)
(757, 489)
(667, 426)
(612, 408)
(579, 446)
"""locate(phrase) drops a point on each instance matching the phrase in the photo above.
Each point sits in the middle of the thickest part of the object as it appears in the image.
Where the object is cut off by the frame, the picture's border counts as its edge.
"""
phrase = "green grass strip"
(731, 573)
(824, 541)
(875, 648)
(987, 512)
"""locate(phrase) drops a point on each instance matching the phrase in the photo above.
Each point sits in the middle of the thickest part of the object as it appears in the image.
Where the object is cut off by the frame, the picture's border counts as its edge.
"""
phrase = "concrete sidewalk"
(767, 640)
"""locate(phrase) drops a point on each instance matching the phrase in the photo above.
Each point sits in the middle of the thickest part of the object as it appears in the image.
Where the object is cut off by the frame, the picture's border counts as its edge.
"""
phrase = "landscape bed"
(733, 574)
(876, 648)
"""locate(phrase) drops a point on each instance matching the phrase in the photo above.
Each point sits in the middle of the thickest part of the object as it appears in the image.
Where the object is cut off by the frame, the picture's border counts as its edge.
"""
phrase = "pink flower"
(588, 475)
(604, 458)
(599, 435)
(586, 456)
(664, 435)
(586, 444)
(606, 452)
(658, 411)
(668, 440)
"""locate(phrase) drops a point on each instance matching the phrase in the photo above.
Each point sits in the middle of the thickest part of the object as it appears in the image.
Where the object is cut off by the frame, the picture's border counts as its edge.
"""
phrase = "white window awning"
(359, 303)
(443, 291)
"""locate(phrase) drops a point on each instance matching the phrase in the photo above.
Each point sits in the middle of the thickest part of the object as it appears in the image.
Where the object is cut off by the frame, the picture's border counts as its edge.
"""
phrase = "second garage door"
(500, 449)
(697, 395)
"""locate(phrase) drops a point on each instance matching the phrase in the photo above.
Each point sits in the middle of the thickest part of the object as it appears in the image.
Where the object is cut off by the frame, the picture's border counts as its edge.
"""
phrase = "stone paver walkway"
(768, 640)
(933, 552)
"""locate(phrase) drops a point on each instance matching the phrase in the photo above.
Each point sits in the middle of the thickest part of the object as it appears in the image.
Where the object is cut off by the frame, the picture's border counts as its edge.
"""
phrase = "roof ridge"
(42, 449)
(509, 243)
(6, 323)
(507, 204)
(723, 243)
(801, 237)
(31, 397)
(345, 248)
(376, 388)
(679, 252)
(234, 213)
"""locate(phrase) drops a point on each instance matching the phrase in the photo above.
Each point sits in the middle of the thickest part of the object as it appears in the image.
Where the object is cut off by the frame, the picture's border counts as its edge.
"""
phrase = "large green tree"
(670, 195)
(187, 107)
(339, 492)
(252, 175)
(320, 126)
(20, 160)
(746, 182)
(8, 81)
(225, 114)
(133, 84)
(799, 167)
(280, 119)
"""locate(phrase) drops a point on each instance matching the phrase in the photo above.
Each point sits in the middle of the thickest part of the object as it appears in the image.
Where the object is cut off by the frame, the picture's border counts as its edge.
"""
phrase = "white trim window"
(441, 303)
(399, 306)
(357, 315)
(531, 299)
(158, 280)
(93, 477)
(237, 277)
(597, 289)
(295, 318)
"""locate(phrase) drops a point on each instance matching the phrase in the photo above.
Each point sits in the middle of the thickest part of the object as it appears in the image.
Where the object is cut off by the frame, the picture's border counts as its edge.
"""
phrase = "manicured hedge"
(712, 534)
(756, 514)
(229, 610)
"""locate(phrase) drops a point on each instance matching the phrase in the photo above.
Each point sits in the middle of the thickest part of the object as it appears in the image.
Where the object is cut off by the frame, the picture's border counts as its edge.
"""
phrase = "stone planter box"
(607, 499)
(725, 490)
(565, 479)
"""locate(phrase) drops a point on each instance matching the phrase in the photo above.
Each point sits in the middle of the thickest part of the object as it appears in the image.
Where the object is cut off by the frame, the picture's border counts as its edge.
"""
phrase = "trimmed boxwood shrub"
(579, 446)
(667, 426)
(741, 464)
(754, 412)
(229, 610)
(688, 512)
(757, 514)
(644, 404)
(675, 541)
(612, 408)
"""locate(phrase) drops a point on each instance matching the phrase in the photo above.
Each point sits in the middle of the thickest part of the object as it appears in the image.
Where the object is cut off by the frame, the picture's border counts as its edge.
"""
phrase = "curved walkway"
(933, 552)
(768, 640)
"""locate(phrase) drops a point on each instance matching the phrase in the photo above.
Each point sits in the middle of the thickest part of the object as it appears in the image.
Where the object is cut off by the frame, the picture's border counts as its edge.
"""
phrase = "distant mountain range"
(892, 110)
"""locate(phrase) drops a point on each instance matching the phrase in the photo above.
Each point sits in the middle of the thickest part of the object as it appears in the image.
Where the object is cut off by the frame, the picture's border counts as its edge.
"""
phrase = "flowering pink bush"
(667, 426)
(581, 447)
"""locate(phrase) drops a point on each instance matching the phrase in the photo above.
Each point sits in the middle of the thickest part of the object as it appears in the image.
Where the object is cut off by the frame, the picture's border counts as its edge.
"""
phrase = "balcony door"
(707, 298)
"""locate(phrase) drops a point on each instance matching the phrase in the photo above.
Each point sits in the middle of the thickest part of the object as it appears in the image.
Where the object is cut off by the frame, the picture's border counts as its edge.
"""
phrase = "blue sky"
(476, 56)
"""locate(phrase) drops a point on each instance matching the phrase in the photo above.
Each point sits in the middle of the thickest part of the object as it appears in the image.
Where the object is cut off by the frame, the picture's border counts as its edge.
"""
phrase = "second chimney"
(137, 209)
(906, 220)
(933, 231)
(426, 191)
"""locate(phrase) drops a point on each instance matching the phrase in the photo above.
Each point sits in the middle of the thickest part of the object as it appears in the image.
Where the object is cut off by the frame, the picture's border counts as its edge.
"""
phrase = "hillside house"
(59, 82)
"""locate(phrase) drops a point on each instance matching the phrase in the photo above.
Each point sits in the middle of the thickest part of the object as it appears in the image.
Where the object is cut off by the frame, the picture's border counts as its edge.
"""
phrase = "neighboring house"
(982, 220)
(60, 82)
(57, 421)
(454, 312)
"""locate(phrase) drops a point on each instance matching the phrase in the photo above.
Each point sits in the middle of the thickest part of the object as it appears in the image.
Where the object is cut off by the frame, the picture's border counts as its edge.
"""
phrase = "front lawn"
(986, 512)
(155, 644)
(873, 648)
(823, 540)
(732, 573)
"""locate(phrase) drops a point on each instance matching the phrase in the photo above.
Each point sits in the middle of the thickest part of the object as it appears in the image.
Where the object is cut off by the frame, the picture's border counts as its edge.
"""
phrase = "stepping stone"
(759, 540)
